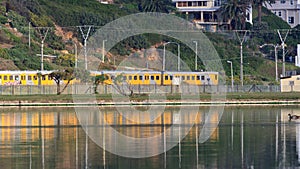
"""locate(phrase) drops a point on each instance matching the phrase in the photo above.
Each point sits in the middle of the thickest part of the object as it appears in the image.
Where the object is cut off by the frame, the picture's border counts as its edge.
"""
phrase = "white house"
(204, 12)
(288, 10)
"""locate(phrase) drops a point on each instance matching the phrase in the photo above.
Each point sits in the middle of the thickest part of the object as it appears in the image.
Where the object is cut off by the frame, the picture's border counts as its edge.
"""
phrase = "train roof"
(15, 72)
(147, 71)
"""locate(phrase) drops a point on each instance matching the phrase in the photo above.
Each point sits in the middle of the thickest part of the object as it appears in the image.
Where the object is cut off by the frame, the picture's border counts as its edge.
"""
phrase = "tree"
(68, 75)
(60, 75)
(98, 79)
(164, 6)
(259, 4)
(234, 11)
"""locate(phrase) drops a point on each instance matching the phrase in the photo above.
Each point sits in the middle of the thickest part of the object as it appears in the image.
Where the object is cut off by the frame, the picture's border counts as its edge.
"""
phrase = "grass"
(143, 97)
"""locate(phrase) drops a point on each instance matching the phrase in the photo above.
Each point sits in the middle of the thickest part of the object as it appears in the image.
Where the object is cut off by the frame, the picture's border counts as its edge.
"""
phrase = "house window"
(282, 1)
(292, 2)
(217, 2)
(182, 4)
(291, 19)
(195, 3)
(279, 13)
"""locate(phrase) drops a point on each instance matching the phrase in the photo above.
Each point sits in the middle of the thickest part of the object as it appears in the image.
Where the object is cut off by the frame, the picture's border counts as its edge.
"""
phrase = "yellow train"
(159, 77)
(130, 77)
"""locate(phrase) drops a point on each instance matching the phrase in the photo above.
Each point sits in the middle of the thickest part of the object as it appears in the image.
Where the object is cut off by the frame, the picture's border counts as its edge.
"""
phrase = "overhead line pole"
(283, 47)
(85, 37)
(43, 37)
(242, 40)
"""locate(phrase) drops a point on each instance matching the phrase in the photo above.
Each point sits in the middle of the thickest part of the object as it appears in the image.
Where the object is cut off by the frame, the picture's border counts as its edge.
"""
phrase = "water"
(246, 137)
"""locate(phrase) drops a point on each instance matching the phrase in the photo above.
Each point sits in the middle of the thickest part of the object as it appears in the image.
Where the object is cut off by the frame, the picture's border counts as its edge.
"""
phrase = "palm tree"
(234, 11)
(164, 6)
(259, 4)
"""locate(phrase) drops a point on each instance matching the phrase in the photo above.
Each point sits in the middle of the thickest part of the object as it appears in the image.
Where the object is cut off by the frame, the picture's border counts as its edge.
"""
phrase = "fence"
(106, 89)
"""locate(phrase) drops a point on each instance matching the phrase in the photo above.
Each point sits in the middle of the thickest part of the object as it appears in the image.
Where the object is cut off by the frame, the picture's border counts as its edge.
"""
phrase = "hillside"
(63, 17)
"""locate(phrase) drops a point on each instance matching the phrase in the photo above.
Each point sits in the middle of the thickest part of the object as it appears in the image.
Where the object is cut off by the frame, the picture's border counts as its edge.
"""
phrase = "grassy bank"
(170, 97)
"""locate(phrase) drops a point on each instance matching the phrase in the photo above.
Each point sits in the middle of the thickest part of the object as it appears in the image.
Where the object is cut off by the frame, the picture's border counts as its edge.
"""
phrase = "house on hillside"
(288, 10)
(204, 12)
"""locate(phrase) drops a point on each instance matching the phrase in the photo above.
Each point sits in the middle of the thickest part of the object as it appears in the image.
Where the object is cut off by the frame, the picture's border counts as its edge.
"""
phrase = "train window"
(49, 78)
(29, 77)
(0, 77)
(134, 77)
(141, 77)
(43, 77)
(146, 77)
(35, 77)
(152, 77)
(124, 77)
(182, 77)
(11, 77)
(202, 78)
(216, 77)
(157, 77)
(171, 77)
(187, 77)
(198, 77)
(166, 77)
(193, 77)
(23, 77)
(130, 77)
(5, 77)
(16, 77)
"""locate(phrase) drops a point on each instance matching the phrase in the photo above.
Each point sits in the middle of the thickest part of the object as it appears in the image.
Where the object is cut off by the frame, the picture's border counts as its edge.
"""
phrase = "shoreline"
(142, 103)
(168, 99)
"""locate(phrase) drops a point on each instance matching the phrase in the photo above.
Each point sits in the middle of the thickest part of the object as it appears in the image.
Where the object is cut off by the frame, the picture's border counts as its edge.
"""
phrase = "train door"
(146, 79)
(30, 79)
(152, 79)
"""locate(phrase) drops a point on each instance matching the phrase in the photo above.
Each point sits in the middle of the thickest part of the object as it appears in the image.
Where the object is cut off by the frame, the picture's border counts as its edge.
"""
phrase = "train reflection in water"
(11, 119)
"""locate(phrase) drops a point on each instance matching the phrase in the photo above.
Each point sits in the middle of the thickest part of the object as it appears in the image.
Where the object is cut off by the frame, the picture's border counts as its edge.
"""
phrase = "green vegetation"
(205, 97)
(15, 16)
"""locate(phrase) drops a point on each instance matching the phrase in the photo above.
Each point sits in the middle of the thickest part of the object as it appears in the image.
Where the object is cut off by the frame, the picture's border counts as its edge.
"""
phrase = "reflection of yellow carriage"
(159, 78)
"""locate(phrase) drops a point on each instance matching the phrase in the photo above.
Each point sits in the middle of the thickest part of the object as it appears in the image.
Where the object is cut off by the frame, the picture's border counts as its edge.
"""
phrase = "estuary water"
(240, 137)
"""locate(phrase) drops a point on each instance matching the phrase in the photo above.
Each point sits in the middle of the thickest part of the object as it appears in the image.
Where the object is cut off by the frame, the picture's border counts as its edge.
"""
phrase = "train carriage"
(130, 77)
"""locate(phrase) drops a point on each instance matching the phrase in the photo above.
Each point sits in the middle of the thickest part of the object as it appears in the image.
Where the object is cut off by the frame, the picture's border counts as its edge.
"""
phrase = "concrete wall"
(290, 84)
